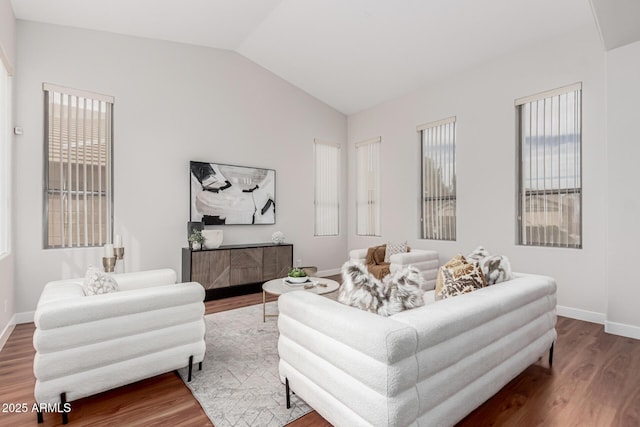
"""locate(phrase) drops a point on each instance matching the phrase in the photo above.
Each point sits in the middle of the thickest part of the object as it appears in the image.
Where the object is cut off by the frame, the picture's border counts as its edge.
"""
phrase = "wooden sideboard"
(236, 269)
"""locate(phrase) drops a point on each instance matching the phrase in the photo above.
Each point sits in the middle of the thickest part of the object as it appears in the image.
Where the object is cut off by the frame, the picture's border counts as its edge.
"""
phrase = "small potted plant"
(297, 275)
(196, 239)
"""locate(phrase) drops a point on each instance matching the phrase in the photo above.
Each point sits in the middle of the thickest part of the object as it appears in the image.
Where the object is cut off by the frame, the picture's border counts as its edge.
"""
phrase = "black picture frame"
(222, 194)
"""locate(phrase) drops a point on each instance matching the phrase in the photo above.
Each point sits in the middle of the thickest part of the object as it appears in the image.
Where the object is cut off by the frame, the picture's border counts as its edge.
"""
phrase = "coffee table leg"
(264, 310)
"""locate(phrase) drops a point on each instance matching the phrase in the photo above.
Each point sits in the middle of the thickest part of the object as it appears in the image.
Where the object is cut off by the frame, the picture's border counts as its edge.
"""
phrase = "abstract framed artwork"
(227, 194)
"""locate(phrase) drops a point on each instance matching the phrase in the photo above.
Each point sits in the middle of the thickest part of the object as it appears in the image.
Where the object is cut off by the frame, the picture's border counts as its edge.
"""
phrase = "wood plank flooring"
(595, 381)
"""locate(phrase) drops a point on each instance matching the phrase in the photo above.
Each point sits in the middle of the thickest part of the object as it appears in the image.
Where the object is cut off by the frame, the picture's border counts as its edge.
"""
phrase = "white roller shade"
(368, 187)
(326, 188)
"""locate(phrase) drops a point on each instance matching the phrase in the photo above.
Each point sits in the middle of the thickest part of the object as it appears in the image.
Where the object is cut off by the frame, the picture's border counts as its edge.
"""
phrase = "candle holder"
(118, 252)
(109, 263)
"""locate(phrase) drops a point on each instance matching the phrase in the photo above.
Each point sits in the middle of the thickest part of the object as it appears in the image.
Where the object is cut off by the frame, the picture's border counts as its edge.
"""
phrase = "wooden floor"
(595, 381)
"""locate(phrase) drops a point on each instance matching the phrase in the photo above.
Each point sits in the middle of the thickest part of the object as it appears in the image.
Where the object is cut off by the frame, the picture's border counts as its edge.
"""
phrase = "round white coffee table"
(317, 285)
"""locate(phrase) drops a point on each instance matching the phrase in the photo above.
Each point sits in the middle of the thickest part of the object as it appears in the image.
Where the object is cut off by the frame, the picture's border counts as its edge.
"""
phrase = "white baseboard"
(24, 317)
(622, 329)
(331, 272)
(578, 314)
(6, 332)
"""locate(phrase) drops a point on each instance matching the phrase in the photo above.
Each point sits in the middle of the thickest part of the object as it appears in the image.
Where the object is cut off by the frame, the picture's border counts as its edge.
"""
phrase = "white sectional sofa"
(89, 344)
(429, 366)
(425, 261)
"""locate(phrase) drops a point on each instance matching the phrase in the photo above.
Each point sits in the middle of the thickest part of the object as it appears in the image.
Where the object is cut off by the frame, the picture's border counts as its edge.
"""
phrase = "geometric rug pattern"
(239, 385)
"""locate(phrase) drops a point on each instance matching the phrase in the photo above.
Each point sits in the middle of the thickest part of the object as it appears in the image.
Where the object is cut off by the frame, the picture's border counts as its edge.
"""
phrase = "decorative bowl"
(212, 238)
(297, 279)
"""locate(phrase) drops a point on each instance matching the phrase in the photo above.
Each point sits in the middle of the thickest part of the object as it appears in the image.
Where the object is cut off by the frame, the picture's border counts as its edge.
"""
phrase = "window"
(327, 195)
(78, 208)
(5, 158)
(549, 168)
(438, 142)
(368, 187)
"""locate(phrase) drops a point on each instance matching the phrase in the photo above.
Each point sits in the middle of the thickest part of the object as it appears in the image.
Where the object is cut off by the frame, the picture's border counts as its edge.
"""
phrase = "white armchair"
(425, 261)
(89, 344)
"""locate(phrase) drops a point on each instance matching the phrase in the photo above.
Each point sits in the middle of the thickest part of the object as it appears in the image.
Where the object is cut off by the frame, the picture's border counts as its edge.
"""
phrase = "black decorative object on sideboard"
(236, 269)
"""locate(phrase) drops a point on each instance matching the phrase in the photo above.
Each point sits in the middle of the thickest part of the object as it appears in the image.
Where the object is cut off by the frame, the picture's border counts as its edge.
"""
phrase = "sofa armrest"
(358, 255)
(82, 309)
(413, 257)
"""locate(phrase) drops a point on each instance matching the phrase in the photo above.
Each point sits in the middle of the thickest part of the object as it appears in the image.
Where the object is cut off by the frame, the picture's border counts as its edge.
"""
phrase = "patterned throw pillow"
(454, 262)
(395, 248)
(477, 255)
(458, 277)
(405, 290)
(496, 268)
(398, 292)
(98, 282)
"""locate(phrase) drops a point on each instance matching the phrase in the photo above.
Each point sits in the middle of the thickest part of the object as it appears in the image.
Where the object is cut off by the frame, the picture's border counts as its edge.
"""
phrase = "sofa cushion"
(398, 292)
(477, 254)
(496, 268)
(98, 282)
(452, 263)
(405, 290)
(459, 277)
(394, 248)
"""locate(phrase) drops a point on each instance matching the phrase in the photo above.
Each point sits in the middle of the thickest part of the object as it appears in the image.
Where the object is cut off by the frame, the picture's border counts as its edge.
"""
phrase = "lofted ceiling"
(351, 54)
(618, 21)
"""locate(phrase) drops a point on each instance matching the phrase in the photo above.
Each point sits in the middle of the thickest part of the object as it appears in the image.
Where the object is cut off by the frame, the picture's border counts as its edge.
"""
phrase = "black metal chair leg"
(288, 391)
(63, 401)
(551, 355)
(40, 417)
(190, 368)
(200, 366)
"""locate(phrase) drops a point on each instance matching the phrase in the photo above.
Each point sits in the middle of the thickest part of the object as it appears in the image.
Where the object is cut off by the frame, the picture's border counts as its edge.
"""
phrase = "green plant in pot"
(297, 275)
(196, 239)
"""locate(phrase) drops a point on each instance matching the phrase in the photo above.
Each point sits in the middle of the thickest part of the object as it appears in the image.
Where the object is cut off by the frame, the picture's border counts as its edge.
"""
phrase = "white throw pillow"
(98, 282)
(394, 248)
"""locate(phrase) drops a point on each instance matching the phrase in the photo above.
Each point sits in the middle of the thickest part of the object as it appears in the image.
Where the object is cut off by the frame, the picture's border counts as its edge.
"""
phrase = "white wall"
(7, 45)
(482, 99)
(8, 32)
(173, 103)
(623, 113)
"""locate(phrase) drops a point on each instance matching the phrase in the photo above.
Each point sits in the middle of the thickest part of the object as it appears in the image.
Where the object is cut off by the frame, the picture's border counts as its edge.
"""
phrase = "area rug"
(239, 383)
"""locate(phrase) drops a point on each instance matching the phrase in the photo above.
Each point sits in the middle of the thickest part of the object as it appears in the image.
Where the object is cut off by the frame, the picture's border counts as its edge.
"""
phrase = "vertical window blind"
(5, 158)
(326, 188)
(78, 196)
(550, 172)
(368, 187)
(438, 146)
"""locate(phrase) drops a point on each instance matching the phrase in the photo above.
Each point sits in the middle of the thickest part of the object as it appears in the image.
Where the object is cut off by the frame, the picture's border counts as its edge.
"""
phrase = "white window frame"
(368, 187)
(550, 214)
(98, 187)
(5, 157)
(326, 201)
(438, 148)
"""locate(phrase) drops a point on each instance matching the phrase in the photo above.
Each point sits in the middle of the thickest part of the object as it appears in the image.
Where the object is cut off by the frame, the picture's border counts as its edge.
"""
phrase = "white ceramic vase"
(212, 238)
